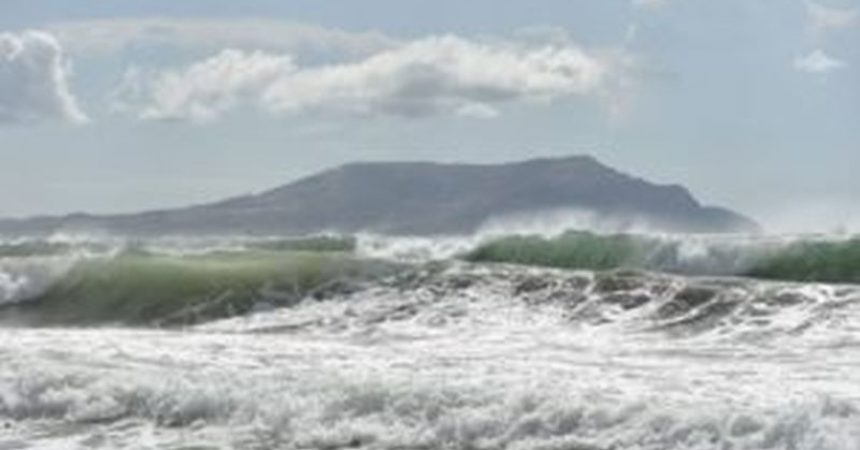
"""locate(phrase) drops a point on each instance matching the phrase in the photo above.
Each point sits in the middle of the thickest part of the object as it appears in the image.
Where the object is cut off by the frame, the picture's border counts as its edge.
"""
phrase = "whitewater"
(577, 341)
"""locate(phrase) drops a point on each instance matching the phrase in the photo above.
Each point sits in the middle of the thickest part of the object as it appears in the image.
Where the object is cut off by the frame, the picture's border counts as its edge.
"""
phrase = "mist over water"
(639, 341)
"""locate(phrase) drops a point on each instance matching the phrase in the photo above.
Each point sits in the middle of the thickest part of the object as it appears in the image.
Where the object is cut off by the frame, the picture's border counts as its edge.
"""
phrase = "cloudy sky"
(121, 106)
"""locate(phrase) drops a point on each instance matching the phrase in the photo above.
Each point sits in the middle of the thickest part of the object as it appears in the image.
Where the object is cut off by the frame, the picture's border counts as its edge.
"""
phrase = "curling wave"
(380, 343)
(135, 287)
(181, 282)
(459, 356)
(797, 259)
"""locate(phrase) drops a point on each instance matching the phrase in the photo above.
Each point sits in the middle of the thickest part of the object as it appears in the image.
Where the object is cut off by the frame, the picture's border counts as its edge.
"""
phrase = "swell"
(448, 355)
(160, 284)
(143, 288)
(807, 260)
(341, 291)
(835, 262)
(790, 258)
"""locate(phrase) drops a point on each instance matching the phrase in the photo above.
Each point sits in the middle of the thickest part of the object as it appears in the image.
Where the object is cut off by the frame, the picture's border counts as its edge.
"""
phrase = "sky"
(110, 106)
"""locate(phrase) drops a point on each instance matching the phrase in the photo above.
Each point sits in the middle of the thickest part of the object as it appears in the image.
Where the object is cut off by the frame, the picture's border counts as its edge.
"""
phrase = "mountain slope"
(420, 199)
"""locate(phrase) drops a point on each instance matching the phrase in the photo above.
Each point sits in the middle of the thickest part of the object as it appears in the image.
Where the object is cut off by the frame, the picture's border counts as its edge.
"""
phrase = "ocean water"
(383, 343)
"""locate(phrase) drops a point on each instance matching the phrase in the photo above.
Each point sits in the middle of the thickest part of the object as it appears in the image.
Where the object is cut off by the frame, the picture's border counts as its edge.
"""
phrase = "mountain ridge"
(419, 198)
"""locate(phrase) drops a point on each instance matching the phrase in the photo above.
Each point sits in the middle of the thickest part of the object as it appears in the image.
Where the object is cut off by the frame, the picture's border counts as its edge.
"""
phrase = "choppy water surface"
(375, 347)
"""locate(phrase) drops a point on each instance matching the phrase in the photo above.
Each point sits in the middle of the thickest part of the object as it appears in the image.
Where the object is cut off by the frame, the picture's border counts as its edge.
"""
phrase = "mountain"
(419, 199)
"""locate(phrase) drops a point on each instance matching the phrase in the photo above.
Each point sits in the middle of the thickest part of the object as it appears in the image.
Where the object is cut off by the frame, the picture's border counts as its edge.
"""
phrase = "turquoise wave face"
(394, 346)
(162, 284)
(142, 288)
(803, 260)
(834, 262)
(574, 250)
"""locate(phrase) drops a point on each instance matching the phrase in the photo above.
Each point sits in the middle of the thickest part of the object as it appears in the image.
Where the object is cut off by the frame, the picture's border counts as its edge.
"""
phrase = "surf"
(575, 340)
(792, 258)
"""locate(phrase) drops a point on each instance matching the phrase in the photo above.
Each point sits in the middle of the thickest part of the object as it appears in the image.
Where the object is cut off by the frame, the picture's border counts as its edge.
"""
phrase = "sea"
(574, 341)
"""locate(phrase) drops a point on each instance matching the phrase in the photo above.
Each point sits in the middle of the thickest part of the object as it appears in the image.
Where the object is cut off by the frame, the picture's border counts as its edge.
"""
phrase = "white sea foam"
(24, 278)
(454, 356)
(458, 360)
(415, 249)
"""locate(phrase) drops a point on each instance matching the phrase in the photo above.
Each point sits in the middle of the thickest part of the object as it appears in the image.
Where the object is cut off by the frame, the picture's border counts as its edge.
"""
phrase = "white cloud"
(817, 62)
(204, 90)
(436, 75)
(110, 35)
(34, 80)
(822, 18)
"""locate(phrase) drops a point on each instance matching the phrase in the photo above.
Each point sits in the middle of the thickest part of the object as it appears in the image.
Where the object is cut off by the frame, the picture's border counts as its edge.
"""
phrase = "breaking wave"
(459, 356)
(796, 259)
(134, 287)
(370, 342)
(156, 284)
